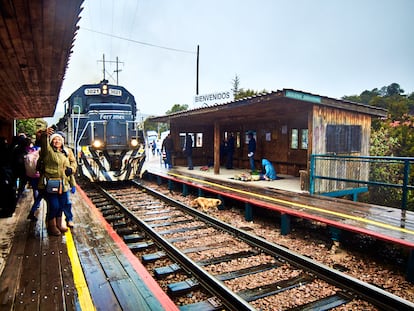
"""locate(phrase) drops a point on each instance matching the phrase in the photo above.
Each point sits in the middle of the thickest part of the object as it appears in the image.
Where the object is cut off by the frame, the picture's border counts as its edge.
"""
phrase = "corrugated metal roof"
(275, 96)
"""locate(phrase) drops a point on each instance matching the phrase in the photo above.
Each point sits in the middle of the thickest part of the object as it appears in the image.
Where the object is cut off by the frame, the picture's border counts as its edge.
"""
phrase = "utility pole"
(103, 65)
(117, 67)
(117, 70)
(198, 54)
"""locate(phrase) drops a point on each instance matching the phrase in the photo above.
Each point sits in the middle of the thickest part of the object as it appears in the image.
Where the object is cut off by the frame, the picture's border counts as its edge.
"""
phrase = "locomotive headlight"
(97, 144)
(134, 142)
(105, 89)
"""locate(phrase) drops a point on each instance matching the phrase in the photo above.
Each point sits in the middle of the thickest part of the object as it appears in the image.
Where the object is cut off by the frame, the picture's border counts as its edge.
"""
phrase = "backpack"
(30, 162)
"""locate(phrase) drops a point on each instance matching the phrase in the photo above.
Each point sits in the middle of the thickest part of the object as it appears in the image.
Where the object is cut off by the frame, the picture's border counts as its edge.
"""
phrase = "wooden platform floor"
(284, 195)
(87, 268)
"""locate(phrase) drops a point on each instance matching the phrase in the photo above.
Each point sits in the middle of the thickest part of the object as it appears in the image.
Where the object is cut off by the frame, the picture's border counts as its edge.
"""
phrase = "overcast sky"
(327, 47)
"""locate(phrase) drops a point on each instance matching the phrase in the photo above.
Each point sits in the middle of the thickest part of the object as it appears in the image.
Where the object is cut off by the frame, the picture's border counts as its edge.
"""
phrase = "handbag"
(54, 186)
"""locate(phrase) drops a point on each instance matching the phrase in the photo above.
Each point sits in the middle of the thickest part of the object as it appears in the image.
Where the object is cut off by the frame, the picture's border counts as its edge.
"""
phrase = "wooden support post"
(285, 224)
(217, 142)
(185, 190)
(248, 212)
(410, 267)
(170, 185)
(355, 196)
(335, 234)
(221, 206)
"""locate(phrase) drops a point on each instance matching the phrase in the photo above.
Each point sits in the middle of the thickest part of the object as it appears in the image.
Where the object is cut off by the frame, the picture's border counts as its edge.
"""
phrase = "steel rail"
(230, 299)
(373, 294)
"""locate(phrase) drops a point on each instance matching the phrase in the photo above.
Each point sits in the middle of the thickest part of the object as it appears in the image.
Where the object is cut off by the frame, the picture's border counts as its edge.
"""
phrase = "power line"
(140, 42)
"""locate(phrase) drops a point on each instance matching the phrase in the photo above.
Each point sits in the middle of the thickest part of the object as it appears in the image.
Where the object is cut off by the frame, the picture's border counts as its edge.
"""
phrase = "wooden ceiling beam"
(36, 38)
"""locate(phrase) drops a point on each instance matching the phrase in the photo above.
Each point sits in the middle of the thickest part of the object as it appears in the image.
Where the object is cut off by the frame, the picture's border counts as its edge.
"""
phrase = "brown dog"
(206, 203)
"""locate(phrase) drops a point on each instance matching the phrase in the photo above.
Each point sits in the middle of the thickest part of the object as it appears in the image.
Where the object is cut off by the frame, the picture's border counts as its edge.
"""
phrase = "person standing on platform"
(33, 175)
(67, 210)
(168, 147)
(157, 143)
(230, 151)
(7, 181)
(19, 170)
(188, 151)
(251, 150)
(153, 147)
(56, 169)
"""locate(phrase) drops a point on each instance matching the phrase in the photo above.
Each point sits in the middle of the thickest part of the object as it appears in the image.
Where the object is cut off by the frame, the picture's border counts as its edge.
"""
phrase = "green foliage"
(392, 90)
(240, 93)
(353, 98)
(403, 132)
(393, 136)
(153, 126)
(245, 93)
(390, 173)
(30, 126)
(236, 86)
(162, 127)
(150, 126)
(384, 144)
(177, 108)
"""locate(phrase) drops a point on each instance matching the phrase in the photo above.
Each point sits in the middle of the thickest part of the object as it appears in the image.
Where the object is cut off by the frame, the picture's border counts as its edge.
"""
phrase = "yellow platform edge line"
(304, 206)
(84, 296)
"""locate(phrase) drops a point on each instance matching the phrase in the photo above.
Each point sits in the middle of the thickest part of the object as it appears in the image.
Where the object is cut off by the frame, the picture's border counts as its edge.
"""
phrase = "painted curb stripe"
(163, 299)
(308, 207)
(82, 289)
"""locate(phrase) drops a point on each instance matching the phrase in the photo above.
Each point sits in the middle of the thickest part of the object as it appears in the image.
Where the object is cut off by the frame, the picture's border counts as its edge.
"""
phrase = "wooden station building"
(289, 126)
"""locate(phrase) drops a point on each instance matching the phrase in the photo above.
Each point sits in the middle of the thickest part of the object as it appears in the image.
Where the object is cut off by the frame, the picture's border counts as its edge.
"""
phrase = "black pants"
(7, 192)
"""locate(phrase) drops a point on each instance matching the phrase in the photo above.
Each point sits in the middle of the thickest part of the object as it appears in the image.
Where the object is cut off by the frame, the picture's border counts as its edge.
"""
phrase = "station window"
(304, 138)
(299, 139)
(199, 140)
(246, 137)
(294, 139)
(196, 137)
(343, 138)
(236, 136)
(182, 139)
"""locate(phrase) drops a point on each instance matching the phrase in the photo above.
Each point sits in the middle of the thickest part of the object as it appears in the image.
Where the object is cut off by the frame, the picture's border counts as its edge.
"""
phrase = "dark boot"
(62, 227)
(51, 227)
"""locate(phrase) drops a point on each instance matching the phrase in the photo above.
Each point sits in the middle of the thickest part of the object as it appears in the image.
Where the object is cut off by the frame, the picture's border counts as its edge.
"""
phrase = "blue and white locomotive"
(100, 127)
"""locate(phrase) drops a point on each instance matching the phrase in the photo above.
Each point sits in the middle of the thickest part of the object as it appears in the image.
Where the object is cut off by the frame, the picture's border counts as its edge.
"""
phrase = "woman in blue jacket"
(269, 170)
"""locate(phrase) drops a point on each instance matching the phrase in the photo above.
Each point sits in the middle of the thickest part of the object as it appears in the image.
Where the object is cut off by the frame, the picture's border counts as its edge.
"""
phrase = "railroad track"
(206, 264)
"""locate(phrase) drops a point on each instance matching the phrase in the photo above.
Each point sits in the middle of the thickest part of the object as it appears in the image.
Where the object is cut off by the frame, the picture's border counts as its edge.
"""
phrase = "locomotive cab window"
(77, 105)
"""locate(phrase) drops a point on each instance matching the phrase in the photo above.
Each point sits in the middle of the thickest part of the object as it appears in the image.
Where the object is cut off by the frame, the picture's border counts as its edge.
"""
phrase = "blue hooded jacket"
(269, 169)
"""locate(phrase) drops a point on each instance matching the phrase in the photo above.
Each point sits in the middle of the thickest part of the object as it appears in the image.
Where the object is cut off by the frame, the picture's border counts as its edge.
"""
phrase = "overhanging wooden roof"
(36, 40)
(286, 103)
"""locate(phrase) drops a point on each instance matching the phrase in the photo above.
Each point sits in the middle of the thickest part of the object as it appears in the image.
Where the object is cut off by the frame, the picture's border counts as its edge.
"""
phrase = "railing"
(386, 180)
